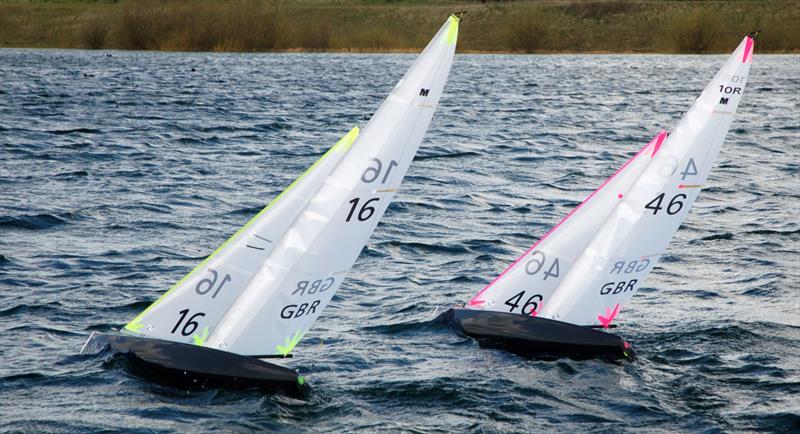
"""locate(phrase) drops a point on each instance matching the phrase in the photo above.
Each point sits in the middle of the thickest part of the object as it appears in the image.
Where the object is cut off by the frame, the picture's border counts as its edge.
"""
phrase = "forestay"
(605, 248)
(311, 245)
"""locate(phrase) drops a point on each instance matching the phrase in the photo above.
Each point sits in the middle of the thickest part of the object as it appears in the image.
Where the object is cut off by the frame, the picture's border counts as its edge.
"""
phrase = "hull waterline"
(536, 337)
(194, 367)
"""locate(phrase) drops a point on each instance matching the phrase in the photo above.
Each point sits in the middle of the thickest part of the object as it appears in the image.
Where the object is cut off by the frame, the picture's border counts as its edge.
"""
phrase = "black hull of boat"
(536, 337)
(194, 367)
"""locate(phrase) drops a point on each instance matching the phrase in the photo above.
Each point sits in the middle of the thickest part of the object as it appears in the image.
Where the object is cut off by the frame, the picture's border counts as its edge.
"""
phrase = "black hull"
(536, 337)
(194, 367)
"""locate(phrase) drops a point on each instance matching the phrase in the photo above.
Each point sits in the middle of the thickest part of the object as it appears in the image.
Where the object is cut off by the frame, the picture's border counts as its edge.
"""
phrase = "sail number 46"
(533, 303)
(675, 205)
(537, 262)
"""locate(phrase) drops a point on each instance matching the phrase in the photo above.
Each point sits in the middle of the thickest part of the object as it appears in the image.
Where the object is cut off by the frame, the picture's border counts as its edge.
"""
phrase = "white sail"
(314, 241)
(526, 286)
(204, 295)
(630, 241)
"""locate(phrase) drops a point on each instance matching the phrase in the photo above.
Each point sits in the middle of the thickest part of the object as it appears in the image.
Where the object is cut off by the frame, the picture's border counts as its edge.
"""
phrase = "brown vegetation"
(403, 25)
(197, 26)
(601, 9)
(94, 32)
(694, 32)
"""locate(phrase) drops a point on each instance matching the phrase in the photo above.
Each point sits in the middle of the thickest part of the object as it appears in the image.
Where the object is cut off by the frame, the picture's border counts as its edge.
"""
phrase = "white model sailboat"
(259, 292)
(584, 271)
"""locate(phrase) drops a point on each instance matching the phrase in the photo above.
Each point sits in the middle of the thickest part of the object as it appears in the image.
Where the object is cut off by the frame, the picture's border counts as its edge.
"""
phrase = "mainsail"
(263, 288)
(591, 263)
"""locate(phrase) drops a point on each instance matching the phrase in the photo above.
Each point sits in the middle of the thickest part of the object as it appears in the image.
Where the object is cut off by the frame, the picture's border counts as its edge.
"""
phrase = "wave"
(43, 310)
(423, 157)
(715, 237)
(61, 132)
(36, 221)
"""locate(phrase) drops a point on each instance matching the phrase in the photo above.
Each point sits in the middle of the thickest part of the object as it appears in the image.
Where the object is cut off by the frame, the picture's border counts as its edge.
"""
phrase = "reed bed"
(371, 25)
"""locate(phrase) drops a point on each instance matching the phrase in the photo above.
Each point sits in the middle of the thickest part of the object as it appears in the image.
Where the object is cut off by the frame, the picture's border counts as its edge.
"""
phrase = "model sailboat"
(259, 293)
(579, 276)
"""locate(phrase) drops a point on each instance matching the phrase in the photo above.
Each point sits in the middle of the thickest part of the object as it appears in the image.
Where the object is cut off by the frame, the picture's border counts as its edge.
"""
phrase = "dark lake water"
(119, 171)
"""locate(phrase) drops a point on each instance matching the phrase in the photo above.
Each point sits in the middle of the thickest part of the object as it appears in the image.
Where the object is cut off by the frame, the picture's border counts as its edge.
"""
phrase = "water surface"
(120, 171)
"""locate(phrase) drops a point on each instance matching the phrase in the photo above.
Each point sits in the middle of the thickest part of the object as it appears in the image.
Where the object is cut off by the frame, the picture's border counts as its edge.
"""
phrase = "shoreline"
(404, 51)
(402, 26)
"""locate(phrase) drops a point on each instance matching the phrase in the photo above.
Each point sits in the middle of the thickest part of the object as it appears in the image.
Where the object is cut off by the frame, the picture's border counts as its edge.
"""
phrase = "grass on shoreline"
(491, 26)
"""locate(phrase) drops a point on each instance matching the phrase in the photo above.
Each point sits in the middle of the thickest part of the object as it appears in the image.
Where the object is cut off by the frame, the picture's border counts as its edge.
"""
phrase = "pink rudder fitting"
(610, 315)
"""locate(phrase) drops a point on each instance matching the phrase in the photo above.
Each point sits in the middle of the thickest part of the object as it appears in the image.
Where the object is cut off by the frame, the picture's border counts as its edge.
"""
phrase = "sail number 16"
(190, 326)
(366, 211)
(370, 175)
(204, 286)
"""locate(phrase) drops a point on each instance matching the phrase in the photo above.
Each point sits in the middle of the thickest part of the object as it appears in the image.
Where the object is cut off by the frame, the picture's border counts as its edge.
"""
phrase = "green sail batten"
(343, 145)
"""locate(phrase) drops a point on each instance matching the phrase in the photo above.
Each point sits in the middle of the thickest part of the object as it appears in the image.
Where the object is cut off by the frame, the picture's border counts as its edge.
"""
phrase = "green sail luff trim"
(343, 145)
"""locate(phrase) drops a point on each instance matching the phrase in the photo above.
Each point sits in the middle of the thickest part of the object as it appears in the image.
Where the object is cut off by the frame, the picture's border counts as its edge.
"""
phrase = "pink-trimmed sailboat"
(557, 297)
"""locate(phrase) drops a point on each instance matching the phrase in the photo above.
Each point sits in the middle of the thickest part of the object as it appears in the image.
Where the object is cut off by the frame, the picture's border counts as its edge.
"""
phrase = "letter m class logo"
(723, 100)
(424, 92)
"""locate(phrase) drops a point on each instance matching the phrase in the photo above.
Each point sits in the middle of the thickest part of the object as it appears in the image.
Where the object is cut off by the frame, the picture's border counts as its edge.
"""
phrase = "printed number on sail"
(533, 302)
(730, 89)
(204, 286)
(190, 326)
(366, 211)
(371, 174)
(537, 262)
(691, 169)
(675, 204)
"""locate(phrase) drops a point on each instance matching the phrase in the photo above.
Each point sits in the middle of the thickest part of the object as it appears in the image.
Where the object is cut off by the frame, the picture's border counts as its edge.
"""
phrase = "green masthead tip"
(347, 140)
(301, 380)
(452, 30)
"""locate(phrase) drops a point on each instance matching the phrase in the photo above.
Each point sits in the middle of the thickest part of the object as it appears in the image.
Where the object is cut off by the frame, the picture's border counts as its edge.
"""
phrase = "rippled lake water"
(119, 171)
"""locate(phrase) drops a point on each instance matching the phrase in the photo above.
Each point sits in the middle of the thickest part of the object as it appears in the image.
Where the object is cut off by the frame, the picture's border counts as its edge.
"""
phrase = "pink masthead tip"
(748, 49)
(659, 140)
